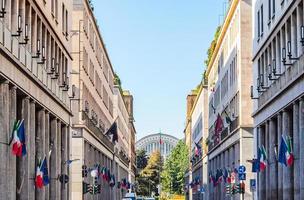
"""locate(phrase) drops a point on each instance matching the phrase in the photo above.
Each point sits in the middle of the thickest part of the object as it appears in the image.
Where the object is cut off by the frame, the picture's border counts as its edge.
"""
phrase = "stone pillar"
(262, 180)
(273, 164)
(47, 149)
(280, 166)
(40, 146)
(12, 184)
(301, 139)
(25, 185)
(237, 150)
(53, 187)
(31, 151)
(266, 172)
(4, 138)
(64, 158)
(287, 171)
(58, 158)
(296, 151)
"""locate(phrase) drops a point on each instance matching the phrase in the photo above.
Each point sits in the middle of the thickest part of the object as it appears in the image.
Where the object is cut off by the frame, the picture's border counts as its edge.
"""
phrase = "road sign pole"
(242, 192)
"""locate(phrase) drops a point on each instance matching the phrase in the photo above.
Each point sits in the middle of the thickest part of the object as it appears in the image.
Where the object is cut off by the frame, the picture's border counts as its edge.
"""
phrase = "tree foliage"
(212, 46)
(174, 169)
(148, 178)
(141, 159)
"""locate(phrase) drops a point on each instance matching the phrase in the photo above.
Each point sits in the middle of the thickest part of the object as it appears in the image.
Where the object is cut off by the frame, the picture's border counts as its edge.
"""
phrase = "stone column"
(4, 138)
(296, 151)
(301, 139)
(266, 172)
(273, 164)
(64, 158)
(262, 177)
(287, 171)
(237, 159)
(47, 149)
(280, 166)
(31, 151)
(53, 188)
(40, 146)
(24, 177)
(12, 184)
(58, 158)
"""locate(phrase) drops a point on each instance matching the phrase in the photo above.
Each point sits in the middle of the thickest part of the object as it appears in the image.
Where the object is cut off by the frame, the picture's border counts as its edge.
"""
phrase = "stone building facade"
(123, 114)
(229, 97)
(128, 100)
(188, 140)
(34, 87)
(199, 134)
(278, 88)
(93, 109)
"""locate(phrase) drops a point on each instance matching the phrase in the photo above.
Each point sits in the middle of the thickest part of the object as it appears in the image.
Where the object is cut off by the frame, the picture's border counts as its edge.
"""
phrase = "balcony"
(36, 69)
(88, 122)
(124, 158)
(223, 135)
(284, 81)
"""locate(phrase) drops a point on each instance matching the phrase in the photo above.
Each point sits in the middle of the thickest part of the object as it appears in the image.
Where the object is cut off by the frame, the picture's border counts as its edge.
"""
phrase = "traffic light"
(63, 178)
(97, 189)
(84, 171)
(86, 188)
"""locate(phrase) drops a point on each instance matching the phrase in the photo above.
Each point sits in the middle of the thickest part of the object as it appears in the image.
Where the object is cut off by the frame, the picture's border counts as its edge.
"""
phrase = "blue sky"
(157, 47)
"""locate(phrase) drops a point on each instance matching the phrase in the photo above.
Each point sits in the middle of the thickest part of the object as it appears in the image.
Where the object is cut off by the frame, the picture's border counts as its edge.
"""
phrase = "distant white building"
(151, 143)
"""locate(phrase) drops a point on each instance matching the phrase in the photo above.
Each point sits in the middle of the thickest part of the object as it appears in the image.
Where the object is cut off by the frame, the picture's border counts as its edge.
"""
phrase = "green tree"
(149, 177)
(174, 169)
(141, 159)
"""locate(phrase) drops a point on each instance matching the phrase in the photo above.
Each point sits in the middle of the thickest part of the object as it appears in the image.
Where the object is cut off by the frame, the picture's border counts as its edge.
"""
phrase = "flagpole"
(160, 143)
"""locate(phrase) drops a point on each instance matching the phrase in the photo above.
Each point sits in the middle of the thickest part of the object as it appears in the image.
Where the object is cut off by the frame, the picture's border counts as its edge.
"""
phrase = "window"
(66, 23)
(91, 73)
(54, 8)
(63, 18)
(105, 97)
(273, 7)
(85, 60)
(262, 21)
(224, 85)
(211, 111)
(259, 25)
(269, 11)
(217, 96)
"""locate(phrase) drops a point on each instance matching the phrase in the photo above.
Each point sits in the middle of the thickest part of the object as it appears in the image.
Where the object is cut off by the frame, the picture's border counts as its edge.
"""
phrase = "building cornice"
(99, 34)
(197, 97)
(224, 29)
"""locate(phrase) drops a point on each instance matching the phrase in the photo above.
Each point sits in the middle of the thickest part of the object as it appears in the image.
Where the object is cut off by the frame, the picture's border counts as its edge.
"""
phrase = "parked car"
(130, 196)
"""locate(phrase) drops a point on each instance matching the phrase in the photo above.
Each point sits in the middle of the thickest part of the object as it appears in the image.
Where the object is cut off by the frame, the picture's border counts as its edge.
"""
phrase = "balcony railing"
(224, 134)
(34, 66)
(124, 158)
(97, 131)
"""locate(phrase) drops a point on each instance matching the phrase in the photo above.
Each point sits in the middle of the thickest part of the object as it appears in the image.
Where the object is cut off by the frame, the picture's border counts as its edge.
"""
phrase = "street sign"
(242, 169)
(242, 177)
(252, 185)
(202, 190)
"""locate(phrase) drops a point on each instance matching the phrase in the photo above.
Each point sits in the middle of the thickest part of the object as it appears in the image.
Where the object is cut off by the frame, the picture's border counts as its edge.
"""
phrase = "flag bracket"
(4, 143)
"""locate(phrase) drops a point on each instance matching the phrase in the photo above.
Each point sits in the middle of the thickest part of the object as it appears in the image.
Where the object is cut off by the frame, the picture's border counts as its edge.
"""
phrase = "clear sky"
(157, 47)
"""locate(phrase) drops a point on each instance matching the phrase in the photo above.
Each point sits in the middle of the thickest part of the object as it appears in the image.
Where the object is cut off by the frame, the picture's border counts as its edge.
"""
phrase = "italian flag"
(262, 158)
(286, 156)
(289, 153)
